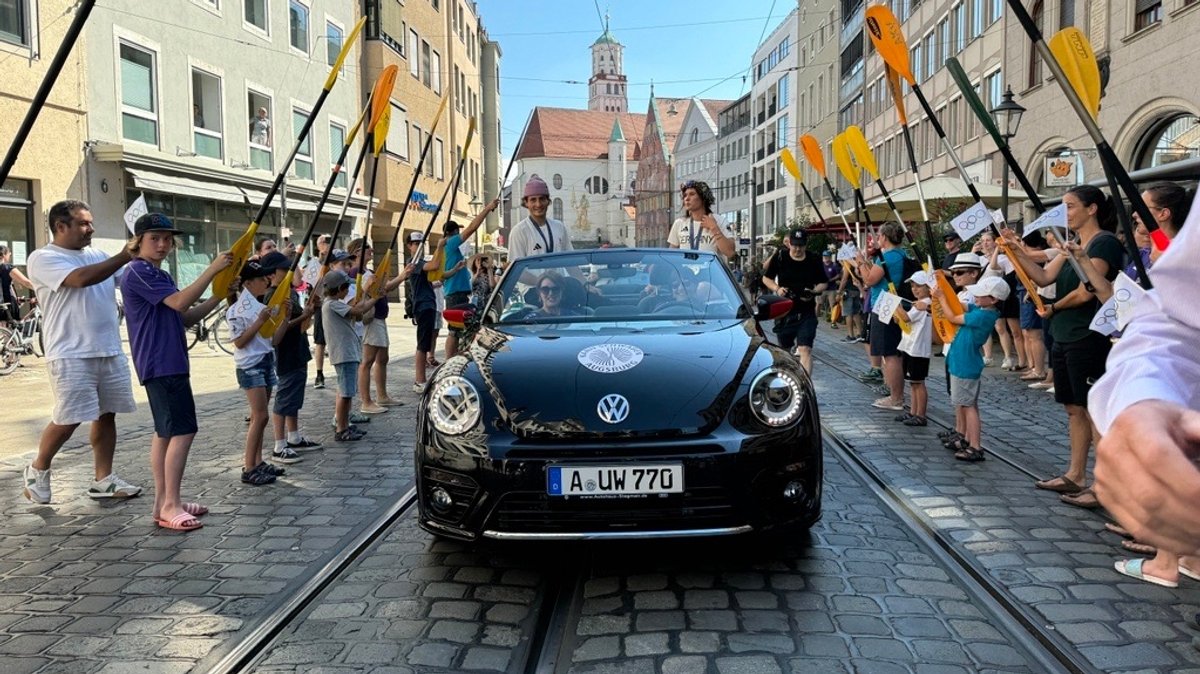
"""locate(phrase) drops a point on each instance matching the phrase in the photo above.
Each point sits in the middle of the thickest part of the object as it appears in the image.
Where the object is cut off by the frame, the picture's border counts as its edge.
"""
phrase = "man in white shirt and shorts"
(89, 373)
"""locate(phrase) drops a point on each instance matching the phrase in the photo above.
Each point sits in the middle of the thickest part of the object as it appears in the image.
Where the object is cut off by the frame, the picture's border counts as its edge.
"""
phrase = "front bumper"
(734, 483)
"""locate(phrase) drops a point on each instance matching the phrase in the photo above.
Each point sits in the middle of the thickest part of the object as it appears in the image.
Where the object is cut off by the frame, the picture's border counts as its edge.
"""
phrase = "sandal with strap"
(1064, 485)
(181, 522)
(257, 477)
(971, 454)
(1133, 569)
(1084, 499)
(195, 509)
(958, 444)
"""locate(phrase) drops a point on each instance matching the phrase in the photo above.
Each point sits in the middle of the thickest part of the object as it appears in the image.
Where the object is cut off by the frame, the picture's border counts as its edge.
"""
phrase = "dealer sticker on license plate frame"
(628, 480)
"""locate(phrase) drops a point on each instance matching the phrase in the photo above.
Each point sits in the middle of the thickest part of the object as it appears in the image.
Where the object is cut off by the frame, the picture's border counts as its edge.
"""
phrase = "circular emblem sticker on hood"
(610, 358)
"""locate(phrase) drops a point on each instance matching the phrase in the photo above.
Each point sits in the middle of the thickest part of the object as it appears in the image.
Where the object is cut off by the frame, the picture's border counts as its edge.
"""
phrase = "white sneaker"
(1006, 364)
(1050, 390)
(113, 487)
(37, 484)
(988, 362)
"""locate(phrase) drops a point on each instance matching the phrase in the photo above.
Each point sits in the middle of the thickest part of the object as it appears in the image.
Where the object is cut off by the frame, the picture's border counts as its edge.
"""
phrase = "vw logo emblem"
(613, 408)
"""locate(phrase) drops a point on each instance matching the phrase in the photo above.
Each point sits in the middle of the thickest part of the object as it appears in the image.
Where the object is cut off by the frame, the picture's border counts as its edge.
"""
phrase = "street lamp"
(1008, 119)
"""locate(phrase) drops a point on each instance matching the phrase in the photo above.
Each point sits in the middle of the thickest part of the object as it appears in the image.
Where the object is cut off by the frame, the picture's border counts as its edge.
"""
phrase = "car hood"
(679, 380)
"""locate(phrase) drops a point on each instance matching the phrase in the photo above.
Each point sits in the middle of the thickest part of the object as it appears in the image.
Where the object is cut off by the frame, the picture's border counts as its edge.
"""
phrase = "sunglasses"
(547, 290)
(961, 272)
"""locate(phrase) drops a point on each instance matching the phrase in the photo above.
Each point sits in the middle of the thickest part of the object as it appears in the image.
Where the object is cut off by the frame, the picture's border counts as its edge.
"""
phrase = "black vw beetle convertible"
(618, 393)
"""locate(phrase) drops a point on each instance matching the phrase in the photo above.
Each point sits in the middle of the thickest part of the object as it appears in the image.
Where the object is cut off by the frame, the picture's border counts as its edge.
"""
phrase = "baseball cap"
(274, 260)
(154, 222)
(921, 278)
(335, 279)
(967, 261)
(992, 285)
(450, 228)
(798, 237)
(337, 255)
(827, 253)
(254, 269)
(415, 237)
(950, 236)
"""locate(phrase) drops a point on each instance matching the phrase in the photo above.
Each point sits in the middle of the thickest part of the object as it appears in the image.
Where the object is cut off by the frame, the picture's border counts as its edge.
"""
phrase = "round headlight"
(454, 406)
(776, 398)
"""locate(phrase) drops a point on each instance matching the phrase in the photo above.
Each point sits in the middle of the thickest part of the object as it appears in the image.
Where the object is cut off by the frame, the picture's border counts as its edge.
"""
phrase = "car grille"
(558, 451)
(699, 508)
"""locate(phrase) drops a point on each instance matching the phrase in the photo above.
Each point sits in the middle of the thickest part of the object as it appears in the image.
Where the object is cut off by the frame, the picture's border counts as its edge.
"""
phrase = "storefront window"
(16, 219)
(1171, 140)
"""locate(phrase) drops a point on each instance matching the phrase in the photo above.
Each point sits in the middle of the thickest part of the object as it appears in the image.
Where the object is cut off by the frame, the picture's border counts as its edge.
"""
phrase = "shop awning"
(144, 179)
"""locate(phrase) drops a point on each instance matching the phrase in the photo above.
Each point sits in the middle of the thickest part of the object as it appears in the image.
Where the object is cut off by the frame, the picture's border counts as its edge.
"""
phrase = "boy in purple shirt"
(156, 314)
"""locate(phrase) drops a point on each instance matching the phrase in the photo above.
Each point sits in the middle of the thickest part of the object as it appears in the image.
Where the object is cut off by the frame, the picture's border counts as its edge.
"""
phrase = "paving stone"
(598, 648)
(488, 659)
(684, 664)
(653, 643)
(699, 642)
(432, 655)
(770, 643)
(747, 665)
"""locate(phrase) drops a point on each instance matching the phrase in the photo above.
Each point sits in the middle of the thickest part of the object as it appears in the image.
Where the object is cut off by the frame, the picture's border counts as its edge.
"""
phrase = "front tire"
(10, 351)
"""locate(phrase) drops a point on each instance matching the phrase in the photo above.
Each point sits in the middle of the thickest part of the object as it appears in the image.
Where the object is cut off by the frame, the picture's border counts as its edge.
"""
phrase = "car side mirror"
(461, 318)
(770, 307)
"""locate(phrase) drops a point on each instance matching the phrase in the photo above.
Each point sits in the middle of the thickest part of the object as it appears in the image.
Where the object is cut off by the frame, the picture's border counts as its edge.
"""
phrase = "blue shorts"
(172, 405)
(347, 374)
(290, 396)
(1029, 317)
(258, 375)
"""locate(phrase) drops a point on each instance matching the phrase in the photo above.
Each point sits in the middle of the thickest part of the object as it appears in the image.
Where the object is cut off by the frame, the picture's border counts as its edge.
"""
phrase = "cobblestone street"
(87, 586)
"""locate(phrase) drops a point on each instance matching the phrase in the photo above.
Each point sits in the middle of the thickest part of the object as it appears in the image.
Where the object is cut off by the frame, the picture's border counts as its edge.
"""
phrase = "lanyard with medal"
(549, 242)
(692, 242)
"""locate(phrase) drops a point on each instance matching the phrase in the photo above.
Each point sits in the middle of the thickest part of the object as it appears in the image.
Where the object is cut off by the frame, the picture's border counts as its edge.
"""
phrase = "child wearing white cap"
(966, 363)
(916, 347)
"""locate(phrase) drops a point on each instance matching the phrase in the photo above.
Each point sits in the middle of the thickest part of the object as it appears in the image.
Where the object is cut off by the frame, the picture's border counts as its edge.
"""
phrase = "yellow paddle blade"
(439, 270)
(441, 108)
(379, 134)
(888, 38)
(941, 312)
(337, 65)
(362, 117)
(893, 79)
(1074, 53)
(835, 314)
(470, 136)
(381, 274)
(812, 152)
(241, 252)
(789, 162)
(381, 95)
(841, 157)
(861, 151)
(280, 295)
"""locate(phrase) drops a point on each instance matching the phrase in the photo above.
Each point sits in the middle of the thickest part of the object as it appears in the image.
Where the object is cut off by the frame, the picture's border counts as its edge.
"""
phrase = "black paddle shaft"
(808, 195)
(337, 226)
(931, 240)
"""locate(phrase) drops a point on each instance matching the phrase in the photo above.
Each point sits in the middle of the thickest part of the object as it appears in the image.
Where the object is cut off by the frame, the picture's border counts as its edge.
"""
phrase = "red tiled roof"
(578, 134)
(714, 107)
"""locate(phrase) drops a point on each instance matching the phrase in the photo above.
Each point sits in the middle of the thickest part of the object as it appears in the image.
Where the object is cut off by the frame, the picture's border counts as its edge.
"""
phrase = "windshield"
(616, 285)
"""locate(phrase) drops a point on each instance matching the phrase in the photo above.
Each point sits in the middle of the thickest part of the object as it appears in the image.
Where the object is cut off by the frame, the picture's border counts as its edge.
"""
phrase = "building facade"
(733, 159)
(51, 165)
(200, 127)
(489, 123)
(774, 109)
(439, 48)
(590, 166)
(1149, 111)
(816, 91)
(657, 192)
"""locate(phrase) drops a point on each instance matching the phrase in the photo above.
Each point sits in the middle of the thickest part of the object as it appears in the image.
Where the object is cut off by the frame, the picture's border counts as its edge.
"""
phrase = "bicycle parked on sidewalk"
(21, 338)
(214, 330)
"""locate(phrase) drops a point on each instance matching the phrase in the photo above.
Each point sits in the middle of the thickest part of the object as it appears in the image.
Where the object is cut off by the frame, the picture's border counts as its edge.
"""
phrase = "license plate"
(614, 480)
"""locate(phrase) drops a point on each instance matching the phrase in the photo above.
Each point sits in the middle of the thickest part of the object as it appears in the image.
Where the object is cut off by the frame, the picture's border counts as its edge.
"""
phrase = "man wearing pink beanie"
(537, 234)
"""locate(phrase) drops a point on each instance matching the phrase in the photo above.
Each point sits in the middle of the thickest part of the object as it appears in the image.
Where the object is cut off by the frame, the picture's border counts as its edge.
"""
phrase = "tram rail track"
(1050, 648)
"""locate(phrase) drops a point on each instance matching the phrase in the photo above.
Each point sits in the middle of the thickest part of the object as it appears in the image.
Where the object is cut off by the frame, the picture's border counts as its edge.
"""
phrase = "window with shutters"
(337, 140)
(1146, 13)
(139, 100)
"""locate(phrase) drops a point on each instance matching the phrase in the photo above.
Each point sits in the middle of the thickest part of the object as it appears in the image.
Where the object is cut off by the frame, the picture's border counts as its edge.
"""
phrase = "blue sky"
(686, 48)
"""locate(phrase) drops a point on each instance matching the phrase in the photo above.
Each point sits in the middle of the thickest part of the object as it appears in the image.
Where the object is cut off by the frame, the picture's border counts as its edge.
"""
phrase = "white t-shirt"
(918, 342)
(244, 312)
(77, 322)
(690, 234)
(528, 239)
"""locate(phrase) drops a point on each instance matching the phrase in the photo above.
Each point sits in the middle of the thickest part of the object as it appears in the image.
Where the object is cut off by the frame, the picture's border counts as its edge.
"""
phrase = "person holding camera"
(793, 273)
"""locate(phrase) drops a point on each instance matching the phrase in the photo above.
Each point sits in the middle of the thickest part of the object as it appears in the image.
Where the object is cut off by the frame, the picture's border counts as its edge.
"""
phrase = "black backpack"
(903, 289)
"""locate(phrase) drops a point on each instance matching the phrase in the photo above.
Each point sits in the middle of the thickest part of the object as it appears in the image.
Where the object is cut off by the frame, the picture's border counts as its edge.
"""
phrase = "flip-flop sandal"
(1033, 376)
(195, 509)
(181, 522)
(1140, 548)
(1184, 571)
(1133, 569)
(1084, 499)
(1117, 529)
(1065, 485)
